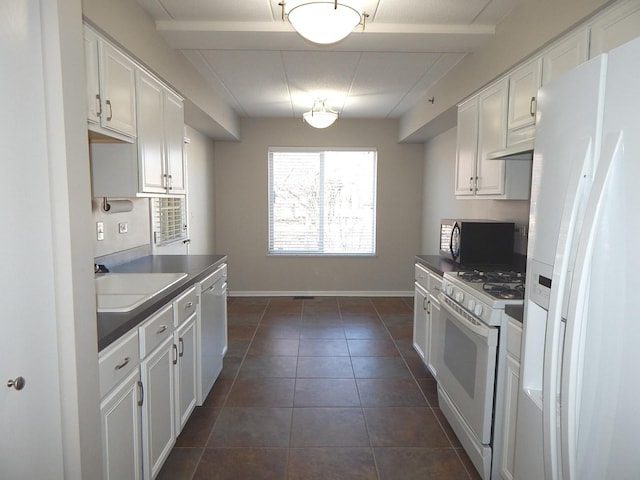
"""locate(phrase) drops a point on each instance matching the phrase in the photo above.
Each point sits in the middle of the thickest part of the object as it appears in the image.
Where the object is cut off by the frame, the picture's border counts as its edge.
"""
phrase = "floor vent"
(303, 297)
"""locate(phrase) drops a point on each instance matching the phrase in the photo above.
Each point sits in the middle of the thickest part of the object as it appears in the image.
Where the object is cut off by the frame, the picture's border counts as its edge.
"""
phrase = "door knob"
(17, 383)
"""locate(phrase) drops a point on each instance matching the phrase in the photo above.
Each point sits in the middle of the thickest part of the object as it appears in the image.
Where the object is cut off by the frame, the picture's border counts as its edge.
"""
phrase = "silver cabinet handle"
(110, 116)
(123, 364)
(471, 184)
(162, 329)
(141, 390)
(188, 305)
(532, 109)
(99, 103)
(181, 342)
(175, 353)
(429, 307)
(17, 383)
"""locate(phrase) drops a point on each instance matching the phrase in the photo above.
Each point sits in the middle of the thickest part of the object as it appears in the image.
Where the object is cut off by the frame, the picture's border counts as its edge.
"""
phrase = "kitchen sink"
(122, 292)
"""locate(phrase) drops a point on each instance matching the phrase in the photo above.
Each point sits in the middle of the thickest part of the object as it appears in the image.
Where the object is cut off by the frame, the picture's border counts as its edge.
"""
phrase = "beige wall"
(531, 26)
(439, 200)
(241, 211)
(201, 193)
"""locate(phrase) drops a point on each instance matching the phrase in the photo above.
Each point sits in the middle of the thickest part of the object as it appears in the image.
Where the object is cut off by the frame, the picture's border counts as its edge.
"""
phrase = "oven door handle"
(480, 330)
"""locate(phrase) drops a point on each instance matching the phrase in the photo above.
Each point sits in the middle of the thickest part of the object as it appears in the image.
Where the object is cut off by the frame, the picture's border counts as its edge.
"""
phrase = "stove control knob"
(472, 305)
(478, 310)
(450, 290)
(459, 297)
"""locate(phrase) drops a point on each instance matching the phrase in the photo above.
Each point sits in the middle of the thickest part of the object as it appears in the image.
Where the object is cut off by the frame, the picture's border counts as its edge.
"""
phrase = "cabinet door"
(568, 54)
(615, 27)
(523, 89)
(420, 321)
(432, 334)
(158, 409)
(117, 86)
(92, 75)
(512, 382)
(174, 142)
(150, 98)
(121, 435)
(492, 136)
(186, 379)
(466, 147)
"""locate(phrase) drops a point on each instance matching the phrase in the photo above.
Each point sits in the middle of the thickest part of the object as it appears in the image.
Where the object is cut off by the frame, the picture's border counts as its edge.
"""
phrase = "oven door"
(466, 365)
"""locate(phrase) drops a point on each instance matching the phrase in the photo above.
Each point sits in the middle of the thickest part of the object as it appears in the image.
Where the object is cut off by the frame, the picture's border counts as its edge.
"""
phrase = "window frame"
(319, 253)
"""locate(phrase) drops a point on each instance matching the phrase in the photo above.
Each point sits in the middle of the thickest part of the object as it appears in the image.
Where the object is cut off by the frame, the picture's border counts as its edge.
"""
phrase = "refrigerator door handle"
(574, 334)
(573, 210)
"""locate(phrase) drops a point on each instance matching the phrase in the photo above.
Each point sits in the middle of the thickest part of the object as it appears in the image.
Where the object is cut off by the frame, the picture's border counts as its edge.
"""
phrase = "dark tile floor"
(323, 388)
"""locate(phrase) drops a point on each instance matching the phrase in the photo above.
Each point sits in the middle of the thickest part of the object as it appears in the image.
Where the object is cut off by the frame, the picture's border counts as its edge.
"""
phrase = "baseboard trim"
(342, 293)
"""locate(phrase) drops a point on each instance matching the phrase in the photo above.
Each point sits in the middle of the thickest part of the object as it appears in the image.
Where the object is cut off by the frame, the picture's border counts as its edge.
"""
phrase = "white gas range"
(471, 358)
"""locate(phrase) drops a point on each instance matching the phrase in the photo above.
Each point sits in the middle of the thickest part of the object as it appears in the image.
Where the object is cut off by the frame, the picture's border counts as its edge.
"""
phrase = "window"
(169, 219)
(322, 202)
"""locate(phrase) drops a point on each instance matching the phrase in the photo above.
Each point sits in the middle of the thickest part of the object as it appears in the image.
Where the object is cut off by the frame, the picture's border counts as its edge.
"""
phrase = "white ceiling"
(248, 53)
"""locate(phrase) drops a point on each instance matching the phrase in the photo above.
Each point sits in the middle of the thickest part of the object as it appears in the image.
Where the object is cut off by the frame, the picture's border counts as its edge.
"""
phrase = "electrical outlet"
(123, 227)
(100, 231)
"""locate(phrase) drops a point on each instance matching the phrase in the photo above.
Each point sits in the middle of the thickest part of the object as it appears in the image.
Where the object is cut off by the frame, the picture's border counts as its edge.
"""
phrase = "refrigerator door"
(566, 149)
(600, 413)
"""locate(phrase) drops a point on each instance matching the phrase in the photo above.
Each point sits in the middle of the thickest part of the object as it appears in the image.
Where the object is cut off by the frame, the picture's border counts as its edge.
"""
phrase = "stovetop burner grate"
(477, 276)
(505, 291)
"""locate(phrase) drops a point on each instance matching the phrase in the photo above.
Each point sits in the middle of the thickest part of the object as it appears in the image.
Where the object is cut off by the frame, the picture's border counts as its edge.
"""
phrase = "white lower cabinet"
(158, 407)
(148, 385)
(121, 431)
(511, 388)
(186, 373)
(426, 311)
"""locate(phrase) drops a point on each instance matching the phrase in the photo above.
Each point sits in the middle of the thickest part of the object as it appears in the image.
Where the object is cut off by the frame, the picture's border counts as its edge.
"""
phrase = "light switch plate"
(100, 230)
(123, 227)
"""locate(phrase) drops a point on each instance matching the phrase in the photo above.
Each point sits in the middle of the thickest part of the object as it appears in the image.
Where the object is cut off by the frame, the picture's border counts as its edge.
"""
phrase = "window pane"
(322, 202)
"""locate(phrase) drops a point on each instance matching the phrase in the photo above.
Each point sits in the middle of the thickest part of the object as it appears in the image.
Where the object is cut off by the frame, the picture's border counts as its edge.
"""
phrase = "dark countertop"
(515, 311)
(112, 326)
(438, 264)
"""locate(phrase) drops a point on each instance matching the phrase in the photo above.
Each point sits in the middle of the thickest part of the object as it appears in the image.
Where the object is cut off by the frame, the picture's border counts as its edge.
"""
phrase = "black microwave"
(477, 242)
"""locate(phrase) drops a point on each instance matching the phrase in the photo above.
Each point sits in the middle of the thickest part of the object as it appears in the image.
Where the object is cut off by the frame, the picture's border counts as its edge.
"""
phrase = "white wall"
(241, 211)
(201, 188)
(439, 200)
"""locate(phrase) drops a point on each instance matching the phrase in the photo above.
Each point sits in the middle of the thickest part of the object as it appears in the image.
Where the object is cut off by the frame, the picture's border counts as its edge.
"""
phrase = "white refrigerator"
(579, 403)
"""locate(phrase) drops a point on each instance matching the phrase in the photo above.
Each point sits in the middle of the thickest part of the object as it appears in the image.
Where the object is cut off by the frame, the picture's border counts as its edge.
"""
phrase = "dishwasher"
(212, 329)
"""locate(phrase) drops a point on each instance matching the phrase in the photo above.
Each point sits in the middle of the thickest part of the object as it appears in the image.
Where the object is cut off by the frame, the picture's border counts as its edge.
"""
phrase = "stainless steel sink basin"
(122, 292)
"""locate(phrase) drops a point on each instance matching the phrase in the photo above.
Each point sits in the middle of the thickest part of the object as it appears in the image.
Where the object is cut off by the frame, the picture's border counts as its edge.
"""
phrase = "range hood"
(517, 151)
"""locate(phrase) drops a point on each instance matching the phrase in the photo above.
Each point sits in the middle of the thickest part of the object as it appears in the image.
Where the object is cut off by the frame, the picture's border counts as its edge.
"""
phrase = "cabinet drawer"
(116, 361)
(155, 329)
(185, 306)
(422, 276)
(514, 338)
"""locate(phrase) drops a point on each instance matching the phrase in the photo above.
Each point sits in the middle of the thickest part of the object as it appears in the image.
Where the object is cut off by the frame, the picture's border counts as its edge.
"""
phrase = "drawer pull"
(181, 341)
(188, 305)
(123, 364)
(162, 329)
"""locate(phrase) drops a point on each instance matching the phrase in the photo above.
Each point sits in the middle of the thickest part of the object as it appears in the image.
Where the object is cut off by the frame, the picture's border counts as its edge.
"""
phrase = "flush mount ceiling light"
(323, 21)
(319, 116)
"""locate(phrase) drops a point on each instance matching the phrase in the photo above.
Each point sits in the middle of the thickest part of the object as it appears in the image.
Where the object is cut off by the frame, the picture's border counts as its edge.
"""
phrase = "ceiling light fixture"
(319, 116)
(323, 21)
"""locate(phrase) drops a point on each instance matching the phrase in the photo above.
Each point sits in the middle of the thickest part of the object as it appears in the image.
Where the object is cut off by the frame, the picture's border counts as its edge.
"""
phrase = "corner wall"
(242, 211)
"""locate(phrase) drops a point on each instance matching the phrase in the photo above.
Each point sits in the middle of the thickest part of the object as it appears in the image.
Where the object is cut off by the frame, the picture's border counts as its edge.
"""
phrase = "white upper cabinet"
(160, 137)
(523, 90)
(467, 147)
(174, 142)
(615, 27)
(482, 129)
(492, 136)
(565, 55)
(110, 88)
